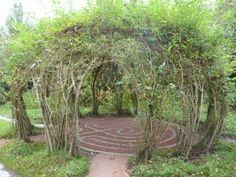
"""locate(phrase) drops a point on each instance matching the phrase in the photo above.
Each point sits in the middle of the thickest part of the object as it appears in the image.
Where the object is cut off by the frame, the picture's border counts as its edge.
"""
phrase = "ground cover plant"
(33, 160)
(221, 163)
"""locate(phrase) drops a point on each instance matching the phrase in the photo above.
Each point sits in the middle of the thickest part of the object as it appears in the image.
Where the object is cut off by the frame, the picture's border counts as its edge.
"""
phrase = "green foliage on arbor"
(188, 24)
(159, 50)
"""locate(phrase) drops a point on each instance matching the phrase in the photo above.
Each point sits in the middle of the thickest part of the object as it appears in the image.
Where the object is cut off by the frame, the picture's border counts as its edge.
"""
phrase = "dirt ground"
(3, 141)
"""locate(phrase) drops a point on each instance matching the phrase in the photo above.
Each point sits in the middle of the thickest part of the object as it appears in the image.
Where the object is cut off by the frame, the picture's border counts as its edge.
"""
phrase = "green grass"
(34, 111)
(222, 164)
(32, 107)
(6, 129)
(34, 160)
(230, 125)
(5, 110)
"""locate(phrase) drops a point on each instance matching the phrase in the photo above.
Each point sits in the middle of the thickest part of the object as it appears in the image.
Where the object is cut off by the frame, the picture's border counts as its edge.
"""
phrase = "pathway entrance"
(108, 165)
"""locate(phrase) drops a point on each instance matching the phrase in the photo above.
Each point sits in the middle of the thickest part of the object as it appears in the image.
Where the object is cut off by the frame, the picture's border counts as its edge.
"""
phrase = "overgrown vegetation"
(34, 160)
(146, 58)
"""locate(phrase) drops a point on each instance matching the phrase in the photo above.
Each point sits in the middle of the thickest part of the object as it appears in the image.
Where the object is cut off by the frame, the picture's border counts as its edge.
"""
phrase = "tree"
(149, 46)
(15, 17)
(19, 84)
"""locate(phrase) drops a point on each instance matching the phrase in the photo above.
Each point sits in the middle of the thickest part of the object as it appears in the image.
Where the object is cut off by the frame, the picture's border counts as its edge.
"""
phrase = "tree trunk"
(95, 92)
(217, 110)
(23, 125)
(134, 100)
(119, 99)
(191, 110)
(147, 147)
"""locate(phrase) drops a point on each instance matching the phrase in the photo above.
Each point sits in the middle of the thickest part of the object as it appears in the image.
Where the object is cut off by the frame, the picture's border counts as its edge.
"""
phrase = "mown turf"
(33, 160)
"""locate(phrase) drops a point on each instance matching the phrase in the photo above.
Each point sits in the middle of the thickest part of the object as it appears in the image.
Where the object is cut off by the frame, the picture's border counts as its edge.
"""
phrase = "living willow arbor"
(157, 50)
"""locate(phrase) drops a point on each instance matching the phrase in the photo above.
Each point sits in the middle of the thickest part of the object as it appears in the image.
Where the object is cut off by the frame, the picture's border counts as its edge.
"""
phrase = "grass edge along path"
(33, 159)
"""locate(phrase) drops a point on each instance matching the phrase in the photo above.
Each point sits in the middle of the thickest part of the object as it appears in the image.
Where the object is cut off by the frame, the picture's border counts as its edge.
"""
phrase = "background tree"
(15, 17)
(11, 31)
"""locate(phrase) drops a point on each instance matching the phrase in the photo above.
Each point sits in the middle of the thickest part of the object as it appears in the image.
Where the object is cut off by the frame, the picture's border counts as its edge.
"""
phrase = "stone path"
(5, 119)
(5, 173)
(107, 165)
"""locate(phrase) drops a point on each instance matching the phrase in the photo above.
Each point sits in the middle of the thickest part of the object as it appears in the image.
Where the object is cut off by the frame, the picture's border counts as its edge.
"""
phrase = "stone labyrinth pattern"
(117, 135)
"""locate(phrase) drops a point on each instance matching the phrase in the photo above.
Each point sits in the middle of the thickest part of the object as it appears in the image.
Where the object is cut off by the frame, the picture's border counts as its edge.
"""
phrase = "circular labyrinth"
(117, 136)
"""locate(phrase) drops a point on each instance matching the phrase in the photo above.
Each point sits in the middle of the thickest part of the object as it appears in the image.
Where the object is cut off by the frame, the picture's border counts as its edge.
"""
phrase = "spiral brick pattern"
(117, 135)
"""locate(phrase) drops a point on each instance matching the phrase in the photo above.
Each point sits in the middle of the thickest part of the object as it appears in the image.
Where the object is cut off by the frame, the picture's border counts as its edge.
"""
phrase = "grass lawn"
(221, 163)
(32, 107)
(34, 111)
(5, 110)
(33, 159)
(6, 129)
(230, 125)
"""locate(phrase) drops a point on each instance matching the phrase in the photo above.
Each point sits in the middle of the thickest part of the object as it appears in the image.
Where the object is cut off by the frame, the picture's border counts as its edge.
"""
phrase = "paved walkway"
(117, 135)
(5, 119)
(107, 165)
